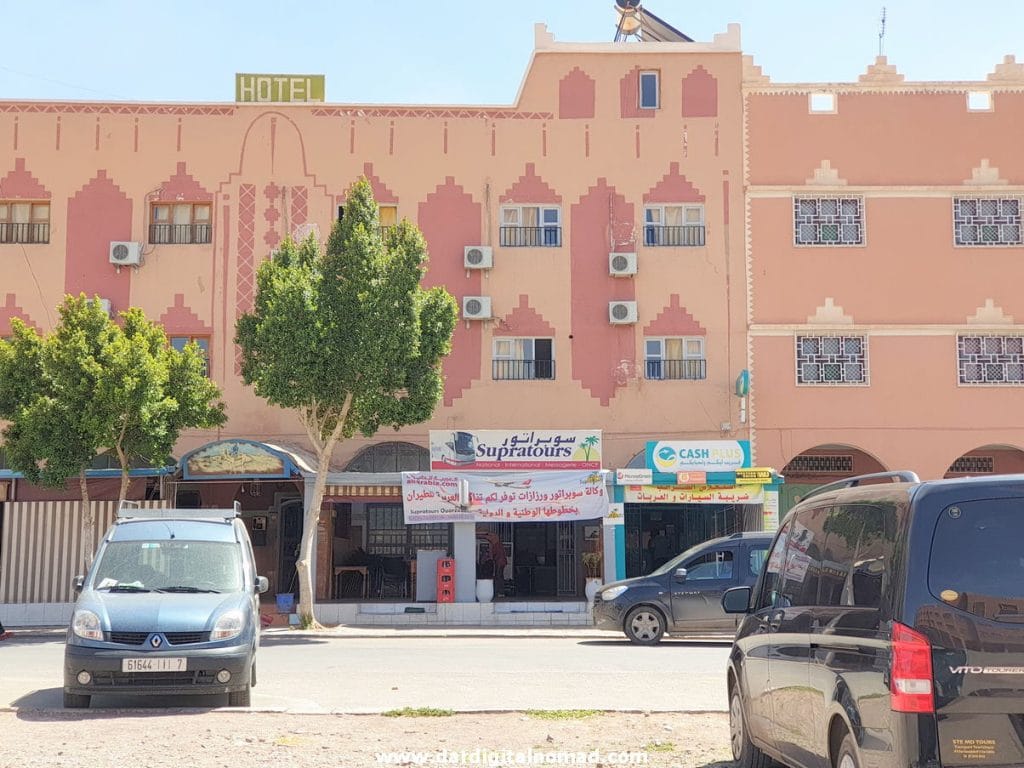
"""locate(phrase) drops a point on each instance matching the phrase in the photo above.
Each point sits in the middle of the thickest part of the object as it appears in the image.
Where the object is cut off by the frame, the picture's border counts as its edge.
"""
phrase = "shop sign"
(634, 477)
(770, 511)
(700, 455)
(616, 514)
(235, 458)
(754, 475)
(278, 88)
(696, 494)
(691, 478)
(432, 497)
(515, 450)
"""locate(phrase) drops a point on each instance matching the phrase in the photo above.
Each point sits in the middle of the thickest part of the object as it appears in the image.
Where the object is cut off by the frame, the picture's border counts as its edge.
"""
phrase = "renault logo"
(155, 641)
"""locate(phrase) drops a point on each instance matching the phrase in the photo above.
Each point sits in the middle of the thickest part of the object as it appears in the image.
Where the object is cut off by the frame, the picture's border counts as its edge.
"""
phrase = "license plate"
(161, 664)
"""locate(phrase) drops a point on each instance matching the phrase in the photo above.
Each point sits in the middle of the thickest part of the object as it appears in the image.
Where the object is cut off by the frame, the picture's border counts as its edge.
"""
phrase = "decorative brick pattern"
(245, 288)
(20, 184)
(524, 320)
(181, 186)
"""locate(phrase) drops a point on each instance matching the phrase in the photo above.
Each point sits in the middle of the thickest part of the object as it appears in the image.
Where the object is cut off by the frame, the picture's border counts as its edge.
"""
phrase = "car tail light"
(911, 686)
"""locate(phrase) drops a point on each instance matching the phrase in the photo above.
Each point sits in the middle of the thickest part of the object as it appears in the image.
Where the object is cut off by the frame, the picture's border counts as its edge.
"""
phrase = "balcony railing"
(522, 369)
(37, 232)
(179, 234)
(677, 369)
(688, 235)
(529, 237)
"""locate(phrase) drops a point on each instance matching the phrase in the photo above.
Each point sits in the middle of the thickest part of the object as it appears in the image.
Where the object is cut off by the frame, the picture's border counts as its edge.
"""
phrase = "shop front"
(690, 492)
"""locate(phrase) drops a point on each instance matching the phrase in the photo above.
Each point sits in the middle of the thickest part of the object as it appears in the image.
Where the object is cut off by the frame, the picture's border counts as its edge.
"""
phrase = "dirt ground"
(212, 739)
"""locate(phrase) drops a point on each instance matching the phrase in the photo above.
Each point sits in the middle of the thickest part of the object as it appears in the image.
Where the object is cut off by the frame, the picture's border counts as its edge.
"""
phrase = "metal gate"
(567, 566)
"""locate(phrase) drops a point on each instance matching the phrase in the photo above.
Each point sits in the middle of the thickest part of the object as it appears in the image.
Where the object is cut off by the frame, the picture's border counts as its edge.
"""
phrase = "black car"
(887, 629)
(684, 595)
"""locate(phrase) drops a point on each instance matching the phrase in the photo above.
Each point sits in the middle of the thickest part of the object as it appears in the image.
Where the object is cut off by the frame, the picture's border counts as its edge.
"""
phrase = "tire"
(644, 625)
(242, 698)
(76, 700)
(847, 755)
(744, 752)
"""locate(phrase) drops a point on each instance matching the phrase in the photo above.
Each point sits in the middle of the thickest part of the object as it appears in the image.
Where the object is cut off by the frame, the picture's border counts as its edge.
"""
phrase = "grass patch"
(562, 714)
(660, 746)
(419, 712)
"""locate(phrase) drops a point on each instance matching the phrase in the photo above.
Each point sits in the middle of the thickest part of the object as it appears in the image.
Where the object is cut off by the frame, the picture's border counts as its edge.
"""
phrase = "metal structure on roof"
(638, 23)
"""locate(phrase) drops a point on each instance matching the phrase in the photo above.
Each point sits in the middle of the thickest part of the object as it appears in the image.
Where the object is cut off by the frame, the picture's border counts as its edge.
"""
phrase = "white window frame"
(661, 343)
(822, 103)
(512, 216)
(521, 349)
(961, 361)
(829, 384)
(657, 88)
(1019, 199)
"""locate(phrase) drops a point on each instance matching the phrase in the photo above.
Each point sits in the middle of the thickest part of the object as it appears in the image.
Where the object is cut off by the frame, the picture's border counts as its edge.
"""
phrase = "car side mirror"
(78, 582)
(262, 585)
(736, 600)
(680, 574)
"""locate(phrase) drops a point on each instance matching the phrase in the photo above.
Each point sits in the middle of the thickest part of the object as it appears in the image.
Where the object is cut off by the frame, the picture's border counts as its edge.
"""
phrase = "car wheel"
(847, 757)
(76, 700)
(242, 698)
(644, 625)
(744, 752)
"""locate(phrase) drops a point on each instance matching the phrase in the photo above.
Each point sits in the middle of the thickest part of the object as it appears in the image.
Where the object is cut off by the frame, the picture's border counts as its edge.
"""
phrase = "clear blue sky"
(456, 51)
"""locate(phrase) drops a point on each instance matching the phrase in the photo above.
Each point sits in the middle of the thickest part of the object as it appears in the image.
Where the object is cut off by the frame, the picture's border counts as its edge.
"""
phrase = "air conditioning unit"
(125, 254)
(621, 264)
(621, 312)
(105, 304)
(478, 257)
(476, 307)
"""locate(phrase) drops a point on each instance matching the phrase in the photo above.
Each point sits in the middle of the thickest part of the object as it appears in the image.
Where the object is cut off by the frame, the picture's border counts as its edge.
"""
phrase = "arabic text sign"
(701, 455)
(428, 497)
(708, 494)
(515, 450)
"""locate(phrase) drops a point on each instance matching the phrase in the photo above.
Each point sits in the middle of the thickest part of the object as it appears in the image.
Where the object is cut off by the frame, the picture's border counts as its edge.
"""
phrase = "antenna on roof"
(881, 34)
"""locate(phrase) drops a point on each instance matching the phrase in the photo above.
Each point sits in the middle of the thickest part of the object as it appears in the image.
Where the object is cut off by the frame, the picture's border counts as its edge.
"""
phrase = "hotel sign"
(278, 88)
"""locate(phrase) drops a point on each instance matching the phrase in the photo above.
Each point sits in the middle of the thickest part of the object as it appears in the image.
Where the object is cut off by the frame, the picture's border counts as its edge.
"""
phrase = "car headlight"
(612, 592)
(228, 625)
(86, 624)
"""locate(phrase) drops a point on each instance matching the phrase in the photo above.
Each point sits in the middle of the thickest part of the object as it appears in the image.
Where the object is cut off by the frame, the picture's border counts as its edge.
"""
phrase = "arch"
(639, 461)
(236, 459)
(820, 465)
(993, 459)
(392, 456)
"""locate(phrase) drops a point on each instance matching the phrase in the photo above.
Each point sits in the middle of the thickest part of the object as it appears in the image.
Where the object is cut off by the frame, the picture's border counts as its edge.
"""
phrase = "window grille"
(828, 220)
(822, 464)
(831, 360)
(987, 221)
(974, 465)
(991, 359)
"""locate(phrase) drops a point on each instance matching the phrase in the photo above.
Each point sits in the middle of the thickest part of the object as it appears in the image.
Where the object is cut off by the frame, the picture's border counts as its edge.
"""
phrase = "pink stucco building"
(641, 227)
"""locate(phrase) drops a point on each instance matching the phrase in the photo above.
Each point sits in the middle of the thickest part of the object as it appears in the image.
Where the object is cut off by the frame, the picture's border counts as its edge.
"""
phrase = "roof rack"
(132, 510)
(901, 475)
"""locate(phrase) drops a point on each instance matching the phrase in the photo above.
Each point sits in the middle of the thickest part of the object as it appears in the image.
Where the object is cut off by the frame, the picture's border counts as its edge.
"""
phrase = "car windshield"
(169, 566)
(678, 560)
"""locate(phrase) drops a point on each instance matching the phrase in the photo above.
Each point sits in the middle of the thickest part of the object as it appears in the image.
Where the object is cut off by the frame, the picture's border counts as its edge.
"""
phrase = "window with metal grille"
(974, 465)
(22, 222)
(987, 221)
(675, 358)
(516, 358)
(203, 342)
(391, 457)
(828, 220)
(674, 225)
(820, 464)
(991, 359)
(180, 223)
(831, 360)
(524, 226)
(387, 534)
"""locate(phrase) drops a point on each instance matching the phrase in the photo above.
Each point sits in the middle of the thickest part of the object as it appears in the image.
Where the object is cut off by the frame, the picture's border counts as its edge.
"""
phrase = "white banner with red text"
(449, 497)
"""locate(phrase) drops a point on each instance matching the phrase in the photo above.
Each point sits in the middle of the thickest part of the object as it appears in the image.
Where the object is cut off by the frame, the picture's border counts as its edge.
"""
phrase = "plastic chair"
(394, 577)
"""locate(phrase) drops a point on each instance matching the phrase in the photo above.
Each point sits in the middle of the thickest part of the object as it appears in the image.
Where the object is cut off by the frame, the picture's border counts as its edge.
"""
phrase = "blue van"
(169, 606)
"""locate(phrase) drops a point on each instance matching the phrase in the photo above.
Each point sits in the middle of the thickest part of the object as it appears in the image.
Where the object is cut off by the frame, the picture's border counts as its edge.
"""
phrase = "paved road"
(300, 672)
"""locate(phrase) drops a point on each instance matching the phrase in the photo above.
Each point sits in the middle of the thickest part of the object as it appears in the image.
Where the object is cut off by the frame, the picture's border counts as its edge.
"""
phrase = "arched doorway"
(988, 460)
(821, 465)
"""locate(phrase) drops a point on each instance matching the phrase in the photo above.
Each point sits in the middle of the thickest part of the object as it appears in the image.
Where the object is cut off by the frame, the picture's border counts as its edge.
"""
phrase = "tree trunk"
(311, 517)
(123, 493)
(88, 524)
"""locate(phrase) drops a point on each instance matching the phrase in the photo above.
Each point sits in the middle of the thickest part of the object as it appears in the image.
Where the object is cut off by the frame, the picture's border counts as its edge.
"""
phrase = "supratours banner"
(434, 497)
(484, 449)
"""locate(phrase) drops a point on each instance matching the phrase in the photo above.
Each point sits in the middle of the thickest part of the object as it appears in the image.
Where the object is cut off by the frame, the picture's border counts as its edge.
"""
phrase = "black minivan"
(886, 629)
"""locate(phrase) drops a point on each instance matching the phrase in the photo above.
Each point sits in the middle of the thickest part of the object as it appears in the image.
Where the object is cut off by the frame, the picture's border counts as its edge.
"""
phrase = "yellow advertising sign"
(278, 88)
(754, 475)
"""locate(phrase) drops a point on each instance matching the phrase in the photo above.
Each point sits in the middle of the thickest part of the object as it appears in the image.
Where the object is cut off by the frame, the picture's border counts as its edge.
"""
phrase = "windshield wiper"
(125, 588)
(188, 589)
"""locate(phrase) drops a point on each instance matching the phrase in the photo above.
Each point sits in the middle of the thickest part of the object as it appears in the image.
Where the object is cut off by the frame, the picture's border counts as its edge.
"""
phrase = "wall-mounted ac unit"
(105, 304)
(621, 264)
(476, 307)
(478, 257)
(621, 312)
(125, 253)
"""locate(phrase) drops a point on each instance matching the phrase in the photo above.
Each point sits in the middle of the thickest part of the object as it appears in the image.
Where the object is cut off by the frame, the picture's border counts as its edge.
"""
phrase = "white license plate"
(161, 664)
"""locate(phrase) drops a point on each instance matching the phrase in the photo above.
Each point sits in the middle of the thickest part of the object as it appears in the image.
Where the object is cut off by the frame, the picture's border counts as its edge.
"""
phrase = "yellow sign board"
(754, 475)
(278, 88)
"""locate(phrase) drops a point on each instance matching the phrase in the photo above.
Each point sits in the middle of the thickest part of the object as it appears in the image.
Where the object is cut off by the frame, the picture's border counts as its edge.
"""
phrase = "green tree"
(348, 339)
(93, 385)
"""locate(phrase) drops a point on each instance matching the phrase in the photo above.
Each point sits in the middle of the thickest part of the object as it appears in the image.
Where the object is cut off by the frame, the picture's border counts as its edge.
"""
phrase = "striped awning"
(363, 491)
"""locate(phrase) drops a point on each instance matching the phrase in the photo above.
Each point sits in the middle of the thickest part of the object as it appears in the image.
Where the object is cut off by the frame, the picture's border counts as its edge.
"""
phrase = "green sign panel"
(278, 88)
